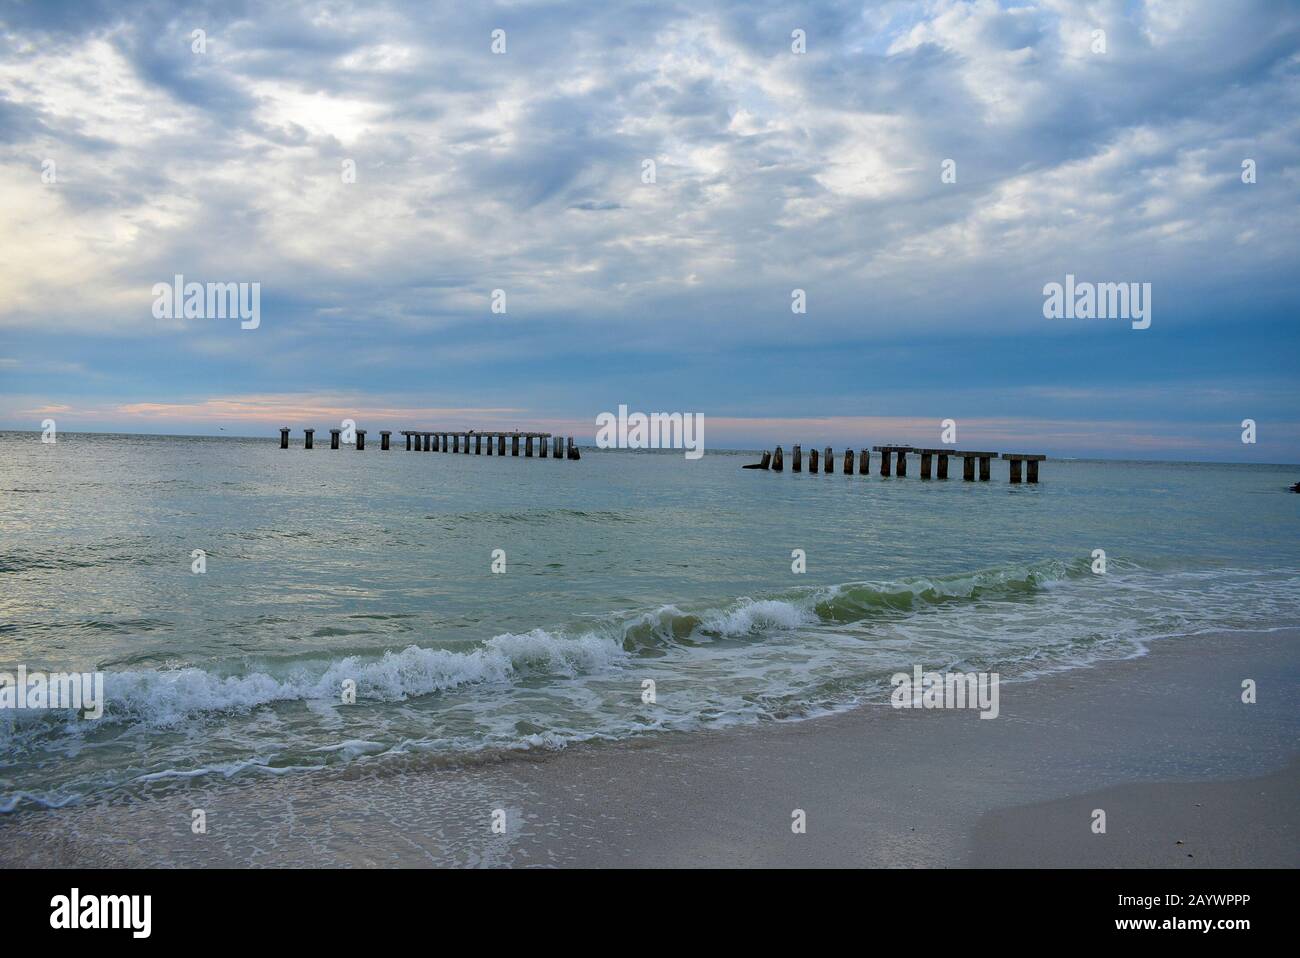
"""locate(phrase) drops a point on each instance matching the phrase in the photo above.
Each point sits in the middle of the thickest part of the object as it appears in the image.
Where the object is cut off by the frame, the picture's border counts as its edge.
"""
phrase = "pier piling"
(898, 453)
(553, 446)
(1023, 466)
(1031, 461)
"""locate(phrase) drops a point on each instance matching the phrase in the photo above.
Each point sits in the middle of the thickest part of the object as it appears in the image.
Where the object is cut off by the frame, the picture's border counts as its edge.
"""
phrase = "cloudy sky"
(128, 156)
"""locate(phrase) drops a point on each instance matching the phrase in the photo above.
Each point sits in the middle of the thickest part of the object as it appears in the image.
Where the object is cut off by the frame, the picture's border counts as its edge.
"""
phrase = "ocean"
(625, 573)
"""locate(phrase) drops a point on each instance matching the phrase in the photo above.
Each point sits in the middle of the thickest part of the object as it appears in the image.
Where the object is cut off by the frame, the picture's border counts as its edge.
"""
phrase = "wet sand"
(1162, 743)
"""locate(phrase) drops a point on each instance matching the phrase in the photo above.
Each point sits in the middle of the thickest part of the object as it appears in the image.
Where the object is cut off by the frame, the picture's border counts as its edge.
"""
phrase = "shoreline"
(1160, 741)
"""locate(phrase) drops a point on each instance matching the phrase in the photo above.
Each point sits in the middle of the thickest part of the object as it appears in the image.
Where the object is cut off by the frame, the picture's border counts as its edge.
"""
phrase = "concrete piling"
(894, 459)
(1031, 461)
(553, 446)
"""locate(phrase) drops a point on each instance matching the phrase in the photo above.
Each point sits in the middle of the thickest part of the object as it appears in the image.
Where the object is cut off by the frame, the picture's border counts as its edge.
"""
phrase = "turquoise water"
(624, 567)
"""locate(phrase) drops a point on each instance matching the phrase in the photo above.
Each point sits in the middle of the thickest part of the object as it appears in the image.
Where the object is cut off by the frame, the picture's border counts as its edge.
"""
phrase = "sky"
(920, 170)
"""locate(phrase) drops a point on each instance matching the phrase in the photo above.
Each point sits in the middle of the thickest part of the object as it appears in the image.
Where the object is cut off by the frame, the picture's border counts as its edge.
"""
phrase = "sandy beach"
(1186, 773)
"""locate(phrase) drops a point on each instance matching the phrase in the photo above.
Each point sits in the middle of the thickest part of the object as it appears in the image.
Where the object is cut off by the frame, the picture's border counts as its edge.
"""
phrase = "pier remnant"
(796, 455)
(899, 453)
(927, 457)
(420, 440)
(1031, 461)
(894, 458)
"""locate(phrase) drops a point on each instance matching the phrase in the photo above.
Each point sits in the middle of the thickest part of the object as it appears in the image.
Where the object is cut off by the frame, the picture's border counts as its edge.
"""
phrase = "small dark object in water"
(1296, 487)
